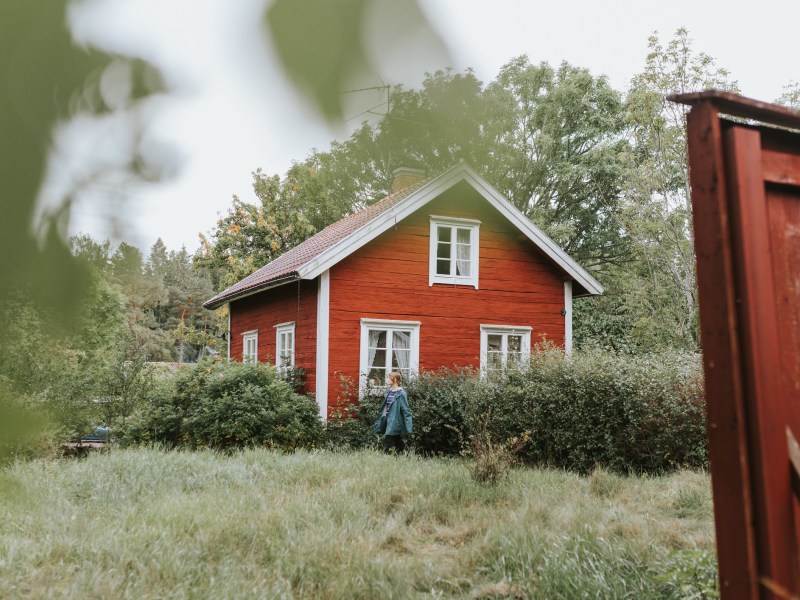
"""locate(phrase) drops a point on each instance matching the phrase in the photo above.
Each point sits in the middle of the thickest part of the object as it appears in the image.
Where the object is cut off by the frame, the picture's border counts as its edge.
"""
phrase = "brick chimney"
(403, 177)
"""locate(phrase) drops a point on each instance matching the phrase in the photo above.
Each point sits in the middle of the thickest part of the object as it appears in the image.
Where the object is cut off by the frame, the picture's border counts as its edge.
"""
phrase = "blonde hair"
(395, 376)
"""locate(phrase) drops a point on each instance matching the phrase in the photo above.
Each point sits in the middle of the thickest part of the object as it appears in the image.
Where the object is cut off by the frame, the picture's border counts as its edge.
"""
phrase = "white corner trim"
(431, 190)
(229, 332)
(323, 332)
(568, 317)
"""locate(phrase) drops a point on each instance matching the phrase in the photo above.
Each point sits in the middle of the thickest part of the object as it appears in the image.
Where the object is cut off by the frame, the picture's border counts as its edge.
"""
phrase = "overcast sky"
(232, 110)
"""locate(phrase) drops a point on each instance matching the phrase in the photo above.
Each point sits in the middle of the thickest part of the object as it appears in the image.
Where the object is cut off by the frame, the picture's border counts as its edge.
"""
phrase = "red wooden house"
(443, 272)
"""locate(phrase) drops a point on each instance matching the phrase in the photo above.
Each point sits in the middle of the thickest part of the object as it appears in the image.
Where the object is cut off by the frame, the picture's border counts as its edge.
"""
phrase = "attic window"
(454, 251)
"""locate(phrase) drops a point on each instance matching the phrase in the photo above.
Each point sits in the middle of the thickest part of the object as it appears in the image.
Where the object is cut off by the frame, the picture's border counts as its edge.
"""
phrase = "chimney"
(403, 177)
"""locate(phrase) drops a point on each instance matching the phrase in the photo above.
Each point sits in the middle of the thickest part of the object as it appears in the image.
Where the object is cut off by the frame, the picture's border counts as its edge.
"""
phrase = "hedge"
(643, 414)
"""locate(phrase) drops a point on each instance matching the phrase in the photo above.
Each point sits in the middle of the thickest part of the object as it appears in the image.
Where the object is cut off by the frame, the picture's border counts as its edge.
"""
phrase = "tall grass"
(154, 524)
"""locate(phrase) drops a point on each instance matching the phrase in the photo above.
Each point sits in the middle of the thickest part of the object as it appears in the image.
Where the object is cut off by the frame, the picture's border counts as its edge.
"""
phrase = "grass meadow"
(153, 524)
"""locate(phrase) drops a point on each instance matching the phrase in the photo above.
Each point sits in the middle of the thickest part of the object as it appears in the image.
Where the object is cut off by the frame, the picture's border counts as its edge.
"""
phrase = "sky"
(231, 110)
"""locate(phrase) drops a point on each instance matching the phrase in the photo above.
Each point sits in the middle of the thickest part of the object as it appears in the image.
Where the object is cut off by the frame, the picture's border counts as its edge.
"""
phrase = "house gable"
(387, 280)
(431, 190)
(319, 253)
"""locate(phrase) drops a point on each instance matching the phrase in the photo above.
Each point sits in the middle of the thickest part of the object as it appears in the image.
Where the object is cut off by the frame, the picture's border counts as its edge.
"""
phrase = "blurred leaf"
(47, 78)
(325, 46)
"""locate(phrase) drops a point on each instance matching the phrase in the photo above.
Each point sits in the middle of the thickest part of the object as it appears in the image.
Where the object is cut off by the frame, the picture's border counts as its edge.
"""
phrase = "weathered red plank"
(746, 199)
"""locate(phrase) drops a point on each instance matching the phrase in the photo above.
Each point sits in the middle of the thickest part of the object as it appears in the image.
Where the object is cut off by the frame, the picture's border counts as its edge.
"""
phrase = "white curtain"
(463, 252)
(401, 345)
(374, 341)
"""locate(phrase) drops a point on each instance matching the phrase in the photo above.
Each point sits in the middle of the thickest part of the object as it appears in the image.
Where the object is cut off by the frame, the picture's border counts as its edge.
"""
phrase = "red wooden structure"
(745, 178)
(377, 270)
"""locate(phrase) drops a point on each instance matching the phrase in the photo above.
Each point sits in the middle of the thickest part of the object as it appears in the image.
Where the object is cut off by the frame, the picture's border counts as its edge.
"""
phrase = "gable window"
(504, 347)
(388, 346)
(284, 346)
(250, 346)
(454, 251)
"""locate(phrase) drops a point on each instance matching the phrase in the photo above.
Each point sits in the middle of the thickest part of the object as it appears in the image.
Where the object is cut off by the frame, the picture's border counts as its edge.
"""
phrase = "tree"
(790, 97)
(657, 214)
(251, 235)
(556, 140)
(181, 313)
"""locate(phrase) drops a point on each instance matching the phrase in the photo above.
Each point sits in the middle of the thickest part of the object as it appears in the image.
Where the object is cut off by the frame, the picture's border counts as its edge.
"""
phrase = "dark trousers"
(393, 443)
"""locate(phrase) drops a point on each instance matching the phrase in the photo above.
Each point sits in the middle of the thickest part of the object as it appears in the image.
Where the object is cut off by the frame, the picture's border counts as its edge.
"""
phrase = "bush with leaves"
(225, 405)
(624, 413)
(349, 425)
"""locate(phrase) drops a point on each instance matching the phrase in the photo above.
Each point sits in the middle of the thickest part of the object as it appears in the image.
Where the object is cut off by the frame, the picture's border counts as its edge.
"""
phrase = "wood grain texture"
(388, 279)
(292, 302)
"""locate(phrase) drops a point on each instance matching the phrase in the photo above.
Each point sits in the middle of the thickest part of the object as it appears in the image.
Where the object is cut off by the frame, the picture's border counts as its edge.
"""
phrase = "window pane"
(463, 236)
(443, 267)
(401, 340)
(376, 377)
(377, 338)
(462, 267)
(514, 343)
(378, 358)
(494, 361)
(400, 360)
(443, 250)
(444, 234)
(495, 342)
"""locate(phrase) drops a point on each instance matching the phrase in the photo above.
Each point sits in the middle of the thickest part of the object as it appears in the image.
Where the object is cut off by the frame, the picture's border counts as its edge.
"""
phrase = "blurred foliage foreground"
(50, 84)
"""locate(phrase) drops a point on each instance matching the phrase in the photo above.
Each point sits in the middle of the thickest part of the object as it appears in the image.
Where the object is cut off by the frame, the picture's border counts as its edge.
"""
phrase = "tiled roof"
(286, 265)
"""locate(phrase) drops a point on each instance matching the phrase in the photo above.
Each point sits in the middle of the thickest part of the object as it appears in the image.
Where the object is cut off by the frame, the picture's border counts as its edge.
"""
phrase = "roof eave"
(216, 302)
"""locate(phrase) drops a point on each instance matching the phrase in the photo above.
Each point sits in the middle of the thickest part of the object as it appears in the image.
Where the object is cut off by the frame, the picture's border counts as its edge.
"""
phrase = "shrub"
(225, 405)
(596, 409)
(349, 425)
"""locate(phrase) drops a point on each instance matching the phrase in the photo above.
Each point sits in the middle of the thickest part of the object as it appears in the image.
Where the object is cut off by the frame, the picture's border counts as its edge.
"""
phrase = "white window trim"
(252, 334)
(280, 329)
(523, 330)
(366, 325)
(474, 227)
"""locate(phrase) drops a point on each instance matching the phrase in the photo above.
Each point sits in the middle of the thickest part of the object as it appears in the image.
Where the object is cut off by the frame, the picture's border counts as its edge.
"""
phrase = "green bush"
(225, 405)
(597, 409)
(350, 427)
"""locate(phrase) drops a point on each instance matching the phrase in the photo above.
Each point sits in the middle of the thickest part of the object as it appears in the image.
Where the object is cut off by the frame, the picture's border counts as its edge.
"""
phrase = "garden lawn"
(257, 524)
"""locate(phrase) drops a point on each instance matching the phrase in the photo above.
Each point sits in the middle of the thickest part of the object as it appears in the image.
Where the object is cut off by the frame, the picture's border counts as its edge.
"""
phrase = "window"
(504, 347)
(388, 346)
(284, 346)
(454, 251)
(250, 346)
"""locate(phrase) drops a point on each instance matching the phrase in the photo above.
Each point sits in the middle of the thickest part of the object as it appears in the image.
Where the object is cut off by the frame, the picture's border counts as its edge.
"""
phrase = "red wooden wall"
(291, 302)
(388, 279)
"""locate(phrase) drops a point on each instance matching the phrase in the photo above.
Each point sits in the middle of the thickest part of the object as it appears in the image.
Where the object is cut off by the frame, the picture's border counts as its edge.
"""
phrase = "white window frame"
(282, 329)
(505, 331)
(389, 325)
(453, 223)
(246, 337)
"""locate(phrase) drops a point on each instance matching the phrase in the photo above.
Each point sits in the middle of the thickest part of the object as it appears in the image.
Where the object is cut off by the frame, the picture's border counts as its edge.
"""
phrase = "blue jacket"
(398, 419)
